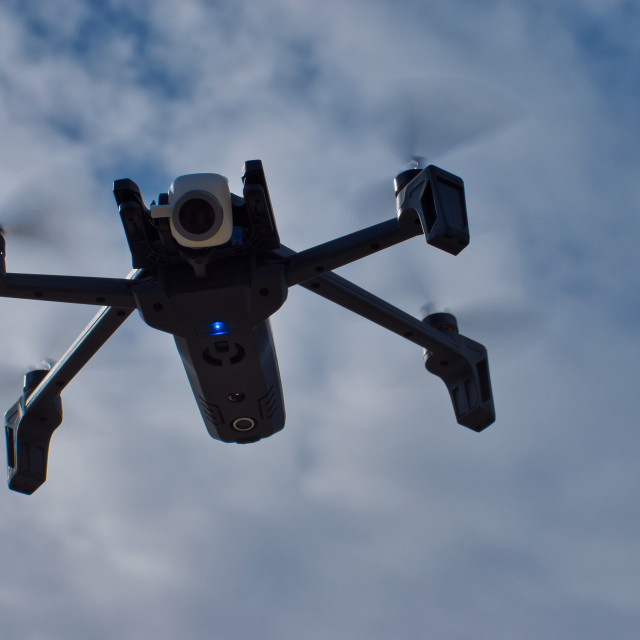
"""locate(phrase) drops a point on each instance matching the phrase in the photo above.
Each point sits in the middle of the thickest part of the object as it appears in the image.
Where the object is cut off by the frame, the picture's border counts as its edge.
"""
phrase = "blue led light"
(218, 328)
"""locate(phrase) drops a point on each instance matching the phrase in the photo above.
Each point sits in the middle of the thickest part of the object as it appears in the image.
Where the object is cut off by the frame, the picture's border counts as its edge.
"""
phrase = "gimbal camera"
(209, 268)
(198, 207)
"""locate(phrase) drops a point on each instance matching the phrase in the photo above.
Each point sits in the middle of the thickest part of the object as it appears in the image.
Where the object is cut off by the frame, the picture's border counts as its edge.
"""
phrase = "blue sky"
(372, 513)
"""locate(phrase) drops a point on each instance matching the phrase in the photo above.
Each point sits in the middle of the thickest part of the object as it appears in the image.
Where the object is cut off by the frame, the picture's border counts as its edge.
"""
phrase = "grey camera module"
(199, 210)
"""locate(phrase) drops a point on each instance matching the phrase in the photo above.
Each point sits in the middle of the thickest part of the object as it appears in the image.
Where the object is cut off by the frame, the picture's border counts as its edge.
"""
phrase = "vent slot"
(483, 377)
(269, 403)
(11, 443)
(428, 208)
(211, 412)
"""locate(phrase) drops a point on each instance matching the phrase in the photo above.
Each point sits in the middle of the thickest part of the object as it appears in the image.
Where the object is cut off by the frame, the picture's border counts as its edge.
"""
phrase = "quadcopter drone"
(209, 269)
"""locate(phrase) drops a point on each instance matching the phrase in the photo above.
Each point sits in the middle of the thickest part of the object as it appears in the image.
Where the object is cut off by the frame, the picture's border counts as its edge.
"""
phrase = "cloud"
(372, 512)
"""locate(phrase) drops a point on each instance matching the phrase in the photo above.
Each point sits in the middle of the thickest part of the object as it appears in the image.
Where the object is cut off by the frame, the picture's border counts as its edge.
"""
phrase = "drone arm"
(307, 264)
(460, 362)
(113, 292)
(106, 322)
(30, 423)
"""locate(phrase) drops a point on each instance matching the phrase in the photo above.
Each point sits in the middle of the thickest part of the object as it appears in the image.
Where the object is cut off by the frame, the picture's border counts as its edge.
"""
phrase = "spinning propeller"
(435, 115)
(440, 115)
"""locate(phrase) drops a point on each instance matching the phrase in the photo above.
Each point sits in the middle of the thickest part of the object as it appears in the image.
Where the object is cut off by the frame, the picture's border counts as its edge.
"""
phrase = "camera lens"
(199, 220)
(197, 216)
(243, 424)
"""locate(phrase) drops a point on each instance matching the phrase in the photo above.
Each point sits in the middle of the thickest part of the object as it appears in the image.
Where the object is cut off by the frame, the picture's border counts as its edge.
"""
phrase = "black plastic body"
(220, 324)
(437, 198)
(262, 221)
(216, 303)
(236, 382)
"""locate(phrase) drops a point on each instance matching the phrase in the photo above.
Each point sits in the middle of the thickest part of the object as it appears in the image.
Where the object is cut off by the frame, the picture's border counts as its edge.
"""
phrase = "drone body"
(214, 294)
(209, 269)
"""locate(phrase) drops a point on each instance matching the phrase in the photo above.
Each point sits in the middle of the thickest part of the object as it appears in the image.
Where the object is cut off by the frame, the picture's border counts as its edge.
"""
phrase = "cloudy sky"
(372, 514)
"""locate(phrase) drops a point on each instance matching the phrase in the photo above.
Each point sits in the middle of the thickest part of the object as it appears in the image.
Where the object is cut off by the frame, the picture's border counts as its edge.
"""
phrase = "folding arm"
(112, 292)
(460, 362)
(31, 421)
(336, 253)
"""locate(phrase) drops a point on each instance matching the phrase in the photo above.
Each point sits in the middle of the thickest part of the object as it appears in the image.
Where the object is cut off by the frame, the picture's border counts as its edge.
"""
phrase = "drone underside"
(209, 269)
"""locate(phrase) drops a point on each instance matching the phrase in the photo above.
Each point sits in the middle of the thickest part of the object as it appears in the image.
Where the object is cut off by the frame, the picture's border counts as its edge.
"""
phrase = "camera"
(199, 210)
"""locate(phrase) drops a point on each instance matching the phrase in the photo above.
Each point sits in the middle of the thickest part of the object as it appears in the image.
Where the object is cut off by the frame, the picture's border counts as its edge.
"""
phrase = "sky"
(372, 514)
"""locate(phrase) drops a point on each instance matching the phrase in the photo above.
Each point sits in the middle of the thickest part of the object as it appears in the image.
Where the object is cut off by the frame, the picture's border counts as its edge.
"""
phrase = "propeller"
(422, 119)
(35, 210)
(505, 324)
(12, 375)
(26, 223)
(435, 115)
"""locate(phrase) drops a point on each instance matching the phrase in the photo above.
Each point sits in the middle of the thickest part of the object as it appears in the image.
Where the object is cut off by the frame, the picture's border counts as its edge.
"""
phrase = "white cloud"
(372, 512)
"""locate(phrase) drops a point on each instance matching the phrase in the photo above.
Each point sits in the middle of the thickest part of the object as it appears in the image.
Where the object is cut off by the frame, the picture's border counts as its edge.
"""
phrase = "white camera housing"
(199, 210)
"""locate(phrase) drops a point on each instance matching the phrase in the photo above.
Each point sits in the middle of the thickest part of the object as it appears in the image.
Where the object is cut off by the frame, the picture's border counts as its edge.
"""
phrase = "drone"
(209, 268)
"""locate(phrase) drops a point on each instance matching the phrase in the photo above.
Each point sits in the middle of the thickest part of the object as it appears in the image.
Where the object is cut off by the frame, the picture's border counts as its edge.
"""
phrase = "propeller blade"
(33, 214)
(437, 115)
(28, 225)
(427, 117)
(505, 325)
